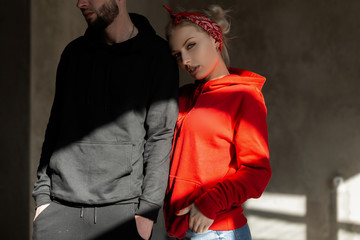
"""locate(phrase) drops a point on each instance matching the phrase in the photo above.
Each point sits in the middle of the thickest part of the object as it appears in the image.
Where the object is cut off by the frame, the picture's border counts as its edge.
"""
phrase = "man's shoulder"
(158, 47)
(75, 43)
(72, 48)
(157, 43)
(161, 41)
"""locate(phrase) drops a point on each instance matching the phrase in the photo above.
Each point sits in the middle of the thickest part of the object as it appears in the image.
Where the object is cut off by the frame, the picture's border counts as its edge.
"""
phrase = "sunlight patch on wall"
(275, 229)
(348, 235)
(277, 216)
(348, 208)
(348, 200)
(288, 204)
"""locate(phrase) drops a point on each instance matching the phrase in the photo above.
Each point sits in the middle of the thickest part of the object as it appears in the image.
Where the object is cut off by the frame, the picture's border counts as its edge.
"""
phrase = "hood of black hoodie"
(93, 38)
(104, 80)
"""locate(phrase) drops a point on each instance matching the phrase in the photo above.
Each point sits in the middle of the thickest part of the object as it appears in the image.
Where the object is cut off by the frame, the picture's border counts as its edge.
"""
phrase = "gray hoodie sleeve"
(160, 123)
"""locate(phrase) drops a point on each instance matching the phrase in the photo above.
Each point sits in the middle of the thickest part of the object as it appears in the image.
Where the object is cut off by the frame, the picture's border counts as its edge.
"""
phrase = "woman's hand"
(39, 209)
(198, 222)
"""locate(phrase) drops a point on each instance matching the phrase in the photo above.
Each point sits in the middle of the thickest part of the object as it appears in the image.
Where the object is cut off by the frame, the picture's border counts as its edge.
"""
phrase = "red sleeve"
(254, 171)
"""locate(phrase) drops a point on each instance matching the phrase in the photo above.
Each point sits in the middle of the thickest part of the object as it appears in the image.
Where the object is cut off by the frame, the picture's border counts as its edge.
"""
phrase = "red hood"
(237, 76)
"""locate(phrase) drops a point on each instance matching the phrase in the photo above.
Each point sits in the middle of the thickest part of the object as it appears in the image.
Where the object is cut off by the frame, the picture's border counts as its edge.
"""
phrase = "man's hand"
(144, 226)
(39, 209)
(198, 222)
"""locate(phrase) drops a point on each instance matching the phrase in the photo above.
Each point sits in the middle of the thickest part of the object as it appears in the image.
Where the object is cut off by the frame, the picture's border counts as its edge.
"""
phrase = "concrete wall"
(14, 115)
(14, 118)
(309, 53)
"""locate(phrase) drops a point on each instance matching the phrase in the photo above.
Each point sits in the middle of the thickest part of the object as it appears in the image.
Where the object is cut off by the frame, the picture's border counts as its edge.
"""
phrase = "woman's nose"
(185, 59)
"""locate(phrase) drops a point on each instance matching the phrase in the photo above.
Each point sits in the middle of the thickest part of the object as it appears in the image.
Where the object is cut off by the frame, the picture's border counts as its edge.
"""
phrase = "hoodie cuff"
(42, 199)
(207, 206)
(148, 210)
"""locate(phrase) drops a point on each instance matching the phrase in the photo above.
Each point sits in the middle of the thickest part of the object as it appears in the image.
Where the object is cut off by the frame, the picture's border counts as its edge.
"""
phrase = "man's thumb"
(184, 211)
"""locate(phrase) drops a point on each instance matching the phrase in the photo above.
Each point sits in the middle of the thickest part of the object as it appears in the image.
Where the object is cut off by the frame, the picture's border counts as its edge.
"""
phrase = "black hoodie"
(110, 131)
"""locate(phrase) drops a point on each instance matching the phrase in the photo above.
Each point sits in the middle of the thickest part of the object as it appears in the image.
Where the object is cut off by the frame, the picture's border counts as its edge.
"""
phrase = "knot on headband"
(204, 22)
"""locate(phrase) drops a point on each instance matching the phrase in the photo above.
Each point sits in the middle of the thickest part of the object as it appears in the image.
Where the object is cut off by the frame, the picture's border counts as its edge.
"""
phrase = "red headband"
(204, 22)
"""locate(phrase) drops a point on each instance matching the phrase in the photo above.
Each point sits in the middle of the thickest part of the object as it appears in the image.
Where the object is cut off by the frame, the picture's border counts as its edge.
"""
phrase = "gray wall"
(14, 118)
(308, 50)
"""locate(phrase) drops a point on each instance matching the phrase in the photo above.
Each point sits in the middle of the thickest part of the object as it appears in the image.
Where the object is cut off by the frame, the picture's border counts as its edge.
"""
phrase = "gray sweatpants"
(63, 222)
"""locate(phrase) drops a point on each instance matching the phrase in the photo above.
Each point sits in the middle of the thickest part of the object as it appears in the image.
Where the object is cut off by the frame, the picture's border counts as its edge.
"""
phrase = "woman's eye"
(177, 55)
(191, 45)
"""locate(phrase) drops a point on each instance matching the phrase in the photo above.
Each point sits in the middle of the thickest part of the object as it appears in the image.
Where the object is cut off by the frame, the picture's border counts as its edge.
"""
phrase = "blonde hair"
(216, 14)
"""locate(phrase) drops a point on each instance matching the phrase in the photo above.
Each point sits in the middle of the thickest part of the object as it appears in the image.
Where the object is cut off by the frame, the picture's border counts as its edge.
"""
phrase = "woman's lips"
(192, 70)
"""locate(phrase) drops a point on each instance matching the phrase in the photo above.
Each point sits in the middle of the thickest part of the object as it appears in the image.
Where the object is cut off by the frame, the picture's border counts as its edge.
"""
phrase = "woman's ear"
(217, 44)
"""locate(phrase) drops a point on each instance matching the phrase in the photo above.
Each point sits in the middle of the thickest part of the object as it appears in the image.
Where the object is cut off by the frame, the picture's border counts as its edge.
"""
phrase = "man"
(105, 158)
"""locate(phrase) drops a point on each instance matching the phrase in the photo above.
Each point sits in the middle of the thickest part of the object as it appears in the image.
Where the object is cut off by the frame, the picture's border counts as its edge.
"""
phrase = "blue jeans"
(242, 233)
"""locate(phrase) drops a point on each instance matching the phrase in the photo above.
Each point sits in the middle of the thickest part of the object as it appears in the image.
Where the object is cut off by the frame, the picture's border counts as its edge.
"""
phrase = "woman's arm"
(252, 154)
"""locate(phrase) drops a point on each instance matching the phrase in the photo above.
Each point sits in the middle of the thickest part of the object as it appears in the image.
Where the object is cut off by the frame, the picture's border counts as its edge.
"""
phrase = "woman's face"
(195, 51)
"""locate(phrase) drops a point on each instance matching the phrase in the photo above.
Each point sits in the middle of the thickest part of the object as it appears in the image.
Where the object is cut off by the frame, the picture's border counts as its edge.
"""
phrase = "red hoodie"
(220, 153)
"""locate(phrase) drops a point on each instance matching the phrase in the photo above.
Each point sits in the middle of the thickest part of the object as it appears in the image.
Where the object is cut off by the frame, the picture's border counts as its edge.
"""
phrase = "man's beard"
(105, 15)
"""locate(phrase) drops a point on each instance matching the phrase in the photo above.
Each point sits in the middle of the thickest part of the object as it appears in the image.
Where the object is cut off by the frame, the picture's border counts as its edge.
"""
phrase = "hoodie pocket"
(92, 173)
(180, 194)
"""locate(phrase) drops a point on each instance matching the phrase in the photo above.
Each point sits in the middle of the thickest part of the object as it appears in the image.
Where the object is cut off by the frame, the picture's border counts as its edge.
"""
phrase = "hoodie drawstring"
(95, 212)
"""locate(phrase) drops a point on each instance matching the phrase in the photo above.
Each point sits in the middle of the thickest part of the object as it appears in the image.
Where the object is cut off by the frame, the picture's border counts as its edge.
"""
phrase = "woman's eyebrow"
(187, 40)
(173, 51)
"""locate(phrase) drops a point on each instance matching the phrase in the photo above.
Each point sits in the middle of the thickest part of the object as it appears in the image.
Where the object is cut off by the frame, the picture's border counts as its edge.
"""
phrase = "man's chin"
(97, 24)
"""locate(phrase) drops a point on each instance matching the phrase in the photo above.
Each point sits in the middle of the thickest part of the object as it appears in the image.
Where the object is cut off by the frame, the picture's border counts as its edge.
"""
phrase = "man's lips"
(88, 14)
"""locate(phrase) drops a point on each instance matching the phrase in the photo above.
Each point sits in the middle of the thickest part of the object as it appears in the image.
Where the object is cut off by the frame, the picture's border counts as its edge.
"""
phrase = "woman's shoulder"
(185, 97)
(187, 90)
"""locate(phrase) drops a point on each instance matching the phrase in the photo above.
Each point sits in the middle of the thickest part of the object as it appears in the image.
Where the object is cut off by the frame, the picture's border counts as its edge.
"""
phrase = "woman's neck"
(220, 71)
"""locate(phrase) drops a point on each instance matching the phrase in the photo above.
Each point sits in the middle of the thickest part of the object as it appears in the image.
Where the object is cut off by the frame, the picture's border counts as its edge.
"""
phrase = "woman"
(220, 153)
